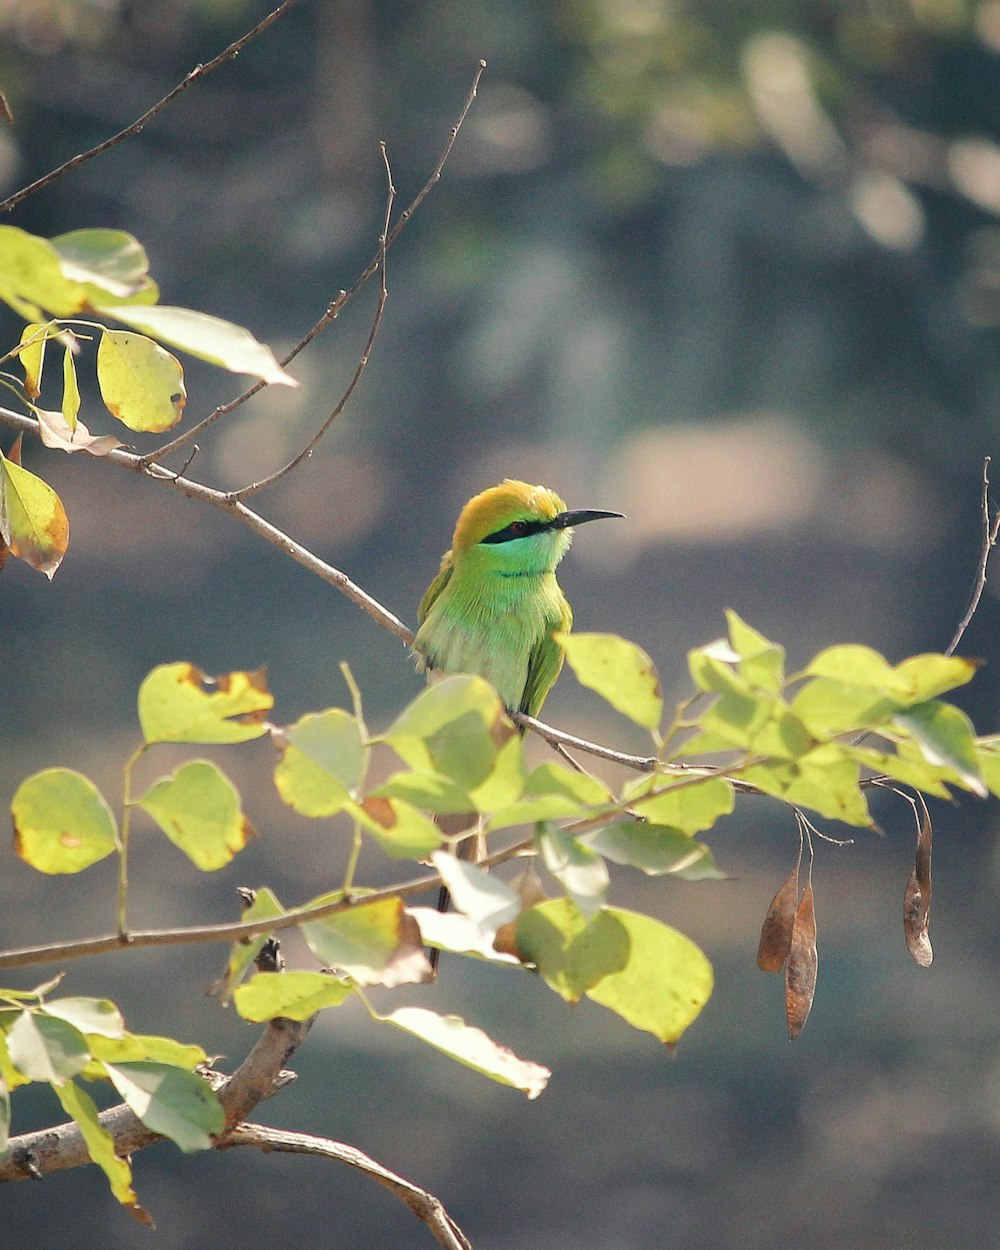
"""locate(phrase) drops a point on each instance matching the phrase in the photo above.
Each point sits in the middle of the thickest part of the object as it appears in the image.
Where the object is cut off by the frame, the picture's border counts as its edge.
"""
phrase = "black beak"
(564, 520)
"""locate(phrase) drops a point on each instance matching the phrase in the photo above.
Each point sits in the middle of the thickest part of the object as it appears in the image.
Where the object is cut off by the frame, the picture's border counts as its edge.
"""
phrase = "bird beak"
(564, 520)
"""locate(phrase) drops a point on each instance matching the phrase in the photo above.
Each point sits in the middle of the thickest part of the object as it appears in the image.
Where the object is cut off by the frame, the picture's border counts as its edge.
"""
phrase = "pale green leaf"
(31, 353)
(581, 871)
(62, 822)
(481, 896)
(178, 1104)
(293, 995)
(109, 262)
(400, 829)
(323, 761)
(689, 807)
(178, 703)
(451, 931)
(946, 736)
(373, 943)
(471, 1047)
(427, 790)
(198, 808)
(32, 279)
(131, 1046)
(90, 1015)
(101, 1147)
(655, 850)
(209, 338)
(762, 662)
(619, 671)
(45, 1048)
(71, 390)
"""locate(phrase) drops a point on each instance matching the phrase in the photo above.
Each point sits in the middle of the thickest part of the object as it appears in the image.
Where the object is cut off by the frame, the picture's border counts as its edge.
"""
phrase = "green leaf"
(178, 703)
(209, 338)
(917, 772)
(689, 807)
(426, 790)
(454, 728)
(582, 872)
(923, 677)
(168, 1100)
(45, 1048)
(32, 279)
(828, 706)
(665, 982)
(294, 995)
(265, 906)
(198, 808)
(4, 1115)
(571, 953)
(619, 671)
(61, 822)
(762, 662)
(712, 669)
(505, 782)
(472, 1047)
(945, 736)
(97, 1016)
(31, 353)
(33, 522)
(555, 779)
(655, 850)
(142, 385)
(131, 1046)
(400, 829)
(101, 1147)
(323, 761)
(373, 944)
(107, 262)
(71, 390)
(825, 780)
(856, 664)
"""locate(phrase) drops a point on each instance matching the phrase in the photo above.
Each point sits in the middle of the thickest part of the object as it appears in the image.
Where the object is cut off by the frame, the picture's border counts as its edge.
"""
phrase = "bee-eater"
(495, 603)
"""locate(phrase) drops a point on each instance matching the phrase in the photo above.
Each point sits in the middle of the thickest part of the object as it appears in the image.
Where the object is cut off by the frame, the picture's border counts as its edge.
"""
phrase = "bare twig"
(383, 295)
(199, 72)
(991, 527)
(423, 1205)
(334, 309)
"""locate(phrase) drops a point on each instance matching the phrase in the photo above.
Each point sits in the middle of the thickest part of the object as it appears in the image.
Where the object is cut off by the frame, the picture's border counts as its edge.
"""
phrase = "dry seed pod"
(917, 898)
(800, 972)
(776, 931)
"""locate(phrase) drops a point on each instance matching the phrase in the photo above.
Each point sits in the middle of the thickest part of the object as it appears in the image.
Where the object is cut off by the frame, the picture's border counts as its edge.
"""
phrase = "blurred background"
(733, 269)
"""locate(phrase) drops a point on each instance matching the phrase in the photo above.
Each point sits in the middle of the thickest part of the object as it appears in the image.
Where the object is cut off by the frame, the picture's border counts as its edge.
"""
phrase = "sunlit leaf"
(61, 822)
(427, 790)
(101, 1147)
(54, 432)
(111, 262)
(45, 1048)
(178, 1104)
(89, 1015)
(178, 703)
(619, 671)
(209, 338)
(802, 965)
(71, 389)
(198, 808)
(761, 662)
(481, 896)
(655, 850)
(945, 736)
(400, 829)
(582, 872)
(32, 279)
(471, 1047)
(374, 943)
(451, 931)
(294, 995)
(689, 806)
(131, 1046)
(323, 760)
(31, 353)
(33, 522)
(141, 383)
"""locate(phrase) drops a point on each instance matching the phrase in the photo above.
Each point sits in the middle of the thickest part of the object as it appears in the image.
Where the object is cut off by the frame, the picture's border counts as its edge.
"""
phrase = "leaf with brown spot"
(33, 522)
(372, 943)
(776, 931)
(917, 896)
(803, 964)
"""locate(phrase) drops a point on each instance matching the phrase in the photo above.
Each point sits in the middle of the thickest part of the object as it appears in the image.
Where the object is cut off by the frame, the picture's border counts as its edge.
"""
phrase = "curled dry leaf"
(776, 931)
(917, 896)
(54, 431)
(800, 972)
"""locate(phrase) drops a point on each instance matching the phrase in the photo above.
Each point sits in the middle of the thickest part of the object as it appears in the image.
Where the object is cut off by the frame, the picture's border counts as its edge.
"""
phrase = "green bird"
(495, 603)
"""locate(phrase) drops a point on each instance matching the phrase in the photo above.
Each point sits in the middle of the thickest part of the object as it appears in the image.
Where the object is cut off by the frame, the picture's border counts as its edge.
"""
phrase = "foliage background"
(731, 269)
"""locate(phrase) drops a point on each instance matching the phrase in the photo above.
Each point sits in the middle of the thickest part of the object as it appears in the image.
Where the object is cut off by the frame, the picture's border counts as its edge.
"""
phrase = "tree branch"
(199, 72)
(991, 527)
(423, 1205)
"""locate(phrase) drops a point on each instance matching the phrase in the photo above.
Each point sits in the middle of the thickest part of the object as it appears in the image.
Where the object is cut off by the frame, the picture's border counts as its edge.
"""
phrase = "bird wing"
(544, 663)
(435, 588)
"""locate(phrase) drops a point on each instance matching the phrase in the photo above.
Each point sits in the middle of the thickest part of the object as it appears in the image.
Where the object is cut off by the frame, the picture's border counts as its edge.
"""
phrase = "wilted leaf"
(917, 896)
(802, 966)
(101, 1147)
(178, 703)
(472, 1047)
(294, 995)
(141, 383)
(776, 931)
(55, 432)
(323, 760)
(198, 808)
(373, 943)
(33, 522)
(619, 671)
(61, 822)
(209, 338)
(179, 1104)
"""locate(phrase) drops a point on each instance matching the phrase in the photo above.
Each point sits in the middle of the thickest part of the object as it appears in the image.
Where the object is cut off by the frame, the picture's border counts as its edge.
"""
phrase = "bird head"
(519, 517)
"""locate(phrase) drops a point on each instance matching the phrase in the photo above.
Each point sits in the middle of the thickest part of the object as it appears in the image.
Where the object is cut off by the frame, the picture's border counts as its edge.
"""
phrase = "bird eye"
(519, 527)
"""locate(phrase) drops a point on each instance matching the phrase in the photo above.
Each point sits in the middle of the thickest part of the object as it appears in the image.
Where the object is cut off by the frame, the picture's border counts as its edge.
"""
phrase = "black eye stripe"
(516, 529)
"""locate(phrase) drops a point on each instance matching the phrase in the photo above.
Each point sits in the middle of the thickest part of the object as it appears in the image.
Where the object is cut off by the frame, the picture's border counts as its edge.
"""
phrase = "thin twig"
(991, 526)
(199, 72)
(383, 295)
(334, 309)
(428, 1209)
